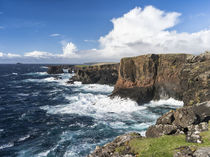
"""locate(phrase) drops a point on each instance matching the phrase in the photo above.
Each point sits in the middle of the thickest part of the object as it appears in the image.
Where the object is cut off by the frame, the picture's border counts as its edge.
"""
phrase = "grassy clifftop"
(164, 146)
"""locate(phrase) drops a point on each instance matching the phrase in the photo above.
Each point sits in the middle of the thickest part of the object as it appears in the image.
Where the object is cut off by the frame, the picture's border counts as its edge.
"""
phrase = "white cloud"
(90, 41)
(69, 51)
(38, 54)
(55, 35)
(1, 27)
(140, 31)
(9, 55)
(146, 31)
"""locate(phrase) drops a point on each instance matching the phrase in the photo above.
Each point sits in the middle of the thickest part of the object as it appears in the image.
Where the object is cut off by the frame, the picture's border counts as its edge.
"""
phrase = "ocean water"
(41, 116)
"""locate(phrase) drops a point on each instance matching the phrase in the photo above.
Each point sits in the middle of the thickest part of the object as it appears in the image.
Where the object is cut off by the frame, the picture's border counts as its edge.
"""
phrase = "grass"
(80, 66)
(163, 146)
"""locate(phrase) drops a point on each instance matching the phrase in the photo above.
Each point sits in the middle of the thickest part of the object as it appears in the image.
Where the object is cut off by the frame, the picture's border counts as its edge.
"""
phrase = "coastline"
(154, 77)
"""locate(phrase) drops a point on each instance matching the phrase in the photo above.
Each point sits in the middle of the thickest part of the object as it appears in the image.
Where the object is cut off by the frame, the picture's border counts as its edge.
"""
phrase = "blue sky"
(49, 25)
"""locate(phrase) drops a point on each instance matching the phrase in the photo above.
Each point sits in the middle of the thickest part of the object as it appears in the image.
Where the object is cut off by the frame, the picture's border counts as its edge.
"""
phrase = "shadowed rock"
(153, 77)
(101, 74)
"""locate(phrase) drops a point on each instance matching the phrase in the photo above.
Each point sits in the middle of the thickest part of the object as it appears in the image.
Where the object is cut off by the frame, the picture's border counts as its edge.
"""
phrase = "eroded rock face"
(160, 129)
(189, 119)
(109, 150)
(58, 69)
(55, 70)
(101, 74)
(181, 76)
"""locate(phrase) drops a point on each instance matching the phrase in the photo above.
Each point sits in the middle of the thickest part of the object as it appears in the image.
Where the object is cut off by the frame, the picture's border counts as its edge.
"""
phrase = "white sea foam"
(95, 105)
(97, 88)
(36, 73)
(44, 67)
(8, 145)
(24, 138)
(23, 94)
(49, 79)
(168, 102)
(43, 154)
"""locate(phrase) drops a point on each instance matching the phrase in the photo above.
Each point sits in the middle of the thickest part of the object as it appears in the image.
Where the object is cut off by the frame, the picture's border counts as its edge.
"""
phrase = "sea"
(43, 116)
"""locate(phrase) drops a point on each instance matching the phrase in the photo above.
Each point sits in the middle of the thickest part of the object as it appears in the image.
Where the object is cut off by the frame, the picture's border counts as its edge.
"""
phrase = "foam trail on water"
(36, 73)
(23, 138)
(7, 146)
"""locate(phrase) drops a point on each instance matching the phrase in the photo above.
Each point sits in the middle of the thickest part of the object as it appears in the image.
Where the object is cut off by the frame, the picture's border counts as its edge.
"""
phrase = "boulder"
(167, 118)
(189, 119)
(202, 110)
(185, 116)
(194, 137)
(108, 150)
(184, 151)
(193, 133)
(159, 130)
(202, 152)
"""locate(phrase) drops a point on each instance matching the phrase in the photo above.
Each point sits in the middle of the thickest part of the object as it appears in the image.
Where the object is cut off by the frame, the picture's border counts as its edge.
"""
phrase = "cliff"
(180, 133)
(58, 69)
(152, 77)
(101, 74)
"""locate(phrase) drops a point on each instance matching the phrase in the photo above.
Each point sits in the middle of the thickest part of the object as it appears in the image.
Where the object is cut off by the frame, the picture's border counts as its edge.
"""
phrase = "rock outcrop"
(181, 76)
(109, 149)
(58, 69)
(101, 74)
(55, 70)
(190, 120)
(193, 152)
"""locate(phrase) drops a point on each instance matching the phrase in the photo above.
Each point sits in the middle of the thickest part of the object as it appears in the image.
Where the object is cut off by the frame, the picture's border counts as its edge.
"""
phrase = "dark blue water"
(42, 116)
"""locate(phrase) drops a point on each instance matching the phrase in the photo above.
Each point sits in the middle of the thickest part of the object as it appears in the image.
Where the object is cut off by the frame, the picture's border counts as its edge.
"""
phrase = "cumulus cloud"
(139, 31)
(147, 31)
(55, 35)
(69, 51)
(38, 54)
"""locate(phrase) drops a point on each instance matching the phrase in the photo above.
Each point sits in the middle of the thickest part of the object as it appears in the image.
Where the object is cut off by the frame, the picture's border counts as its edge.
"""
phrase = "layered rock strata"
(153, 77)
(100, 74)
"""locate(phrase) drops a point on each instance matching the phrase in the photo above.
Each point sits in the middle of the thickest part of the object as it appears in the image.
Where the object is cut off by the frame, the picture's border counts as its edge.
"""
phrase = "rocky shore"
(153, 77)
(100, 74)
(58, 69)
(185, 77)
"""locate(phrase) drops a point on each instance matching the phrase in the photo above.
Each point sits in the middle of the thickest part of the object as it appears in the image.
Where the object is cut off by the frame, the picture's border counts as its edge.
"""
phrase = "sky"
(79, 31)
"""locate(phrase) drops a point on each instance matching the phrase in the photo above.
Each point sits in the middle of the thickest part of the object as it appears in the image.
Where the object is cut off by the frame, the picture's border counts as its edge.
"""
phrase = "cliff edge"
(155, 76)
(101, 74)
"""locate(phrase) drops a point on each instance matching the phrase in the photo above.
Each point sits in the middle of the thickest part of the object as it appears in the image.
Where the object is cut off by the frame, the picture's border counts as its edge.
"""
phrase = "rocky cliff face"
(184, 77)
(101, 74)
(58, 69)
(181, 76)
